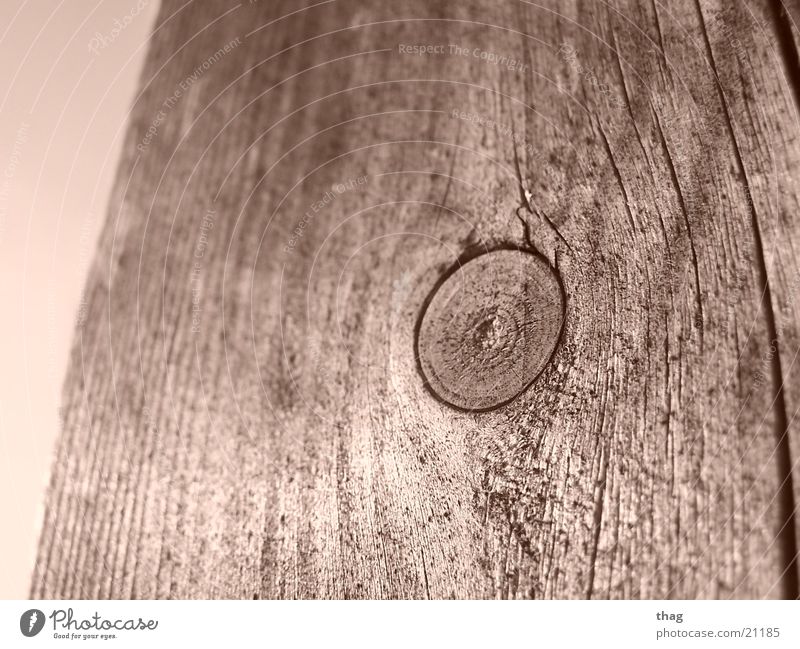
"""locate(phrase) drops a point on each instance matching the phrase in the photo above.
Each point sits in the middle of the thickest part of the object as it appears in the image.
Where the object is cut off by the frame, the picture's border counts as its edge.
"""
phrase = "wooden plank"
(244, 412)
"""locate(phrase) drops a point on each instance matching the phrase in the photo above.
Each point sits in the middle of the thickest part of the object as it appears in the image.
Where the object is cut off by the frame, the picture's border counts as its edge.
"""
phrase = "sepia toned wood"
(245, 415)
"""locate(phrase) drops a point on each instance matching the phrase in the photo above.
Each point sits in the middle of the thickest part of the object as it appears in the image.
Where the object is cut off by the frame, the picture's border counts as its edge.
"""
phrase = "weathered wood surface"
(244, 415)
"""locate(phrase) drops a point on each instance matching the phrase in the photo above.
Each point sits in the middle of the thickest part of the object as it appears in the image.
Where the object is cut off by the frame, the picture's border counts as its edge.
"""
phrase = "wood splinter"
(489, 327)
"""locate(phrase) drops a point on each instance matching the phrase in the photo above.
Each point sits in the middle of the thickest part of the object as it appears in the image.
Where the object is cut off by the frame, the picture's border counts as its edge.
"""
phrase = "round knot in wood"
(489, 328)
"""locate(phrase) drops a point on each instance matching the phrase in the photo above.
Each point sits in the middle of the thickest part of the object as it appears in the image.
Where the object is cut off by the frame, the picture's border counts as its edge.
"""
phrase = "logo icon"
(31, 622)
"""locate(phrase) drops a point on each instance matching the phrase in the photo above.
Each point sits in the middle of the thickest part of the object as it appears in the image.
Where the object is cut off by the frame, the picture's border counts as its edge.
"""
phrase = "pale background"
(63, 111)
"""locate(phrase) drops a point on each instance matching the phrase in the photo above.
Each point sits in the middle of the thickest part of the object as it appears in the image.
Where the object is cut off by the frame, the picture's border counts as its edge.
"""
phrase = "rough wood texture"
(243, 414)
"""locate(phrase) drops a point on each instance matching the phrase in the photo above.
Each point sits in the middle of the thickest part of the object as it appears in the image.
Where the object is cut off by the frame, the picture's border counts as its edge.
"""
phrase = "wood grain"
(243, 413)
